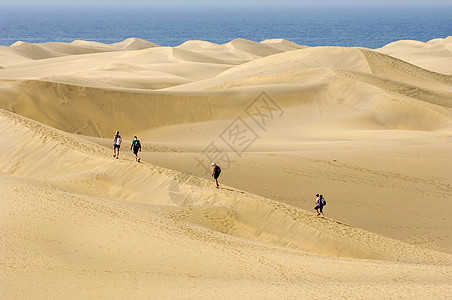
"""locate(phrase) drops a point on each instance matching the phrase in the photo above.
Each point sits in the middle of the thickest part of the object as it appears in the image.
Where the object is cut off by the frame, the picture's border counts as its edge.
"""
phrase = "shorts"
(319, 207)
(216, 175)
(135, 150)
(117, 146)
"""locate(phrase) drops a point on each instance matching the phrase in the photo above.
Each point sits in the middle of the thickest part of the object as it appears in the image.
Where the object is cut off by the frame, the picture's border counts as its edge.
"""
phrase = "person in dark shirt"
(135, 147)
(216, 170)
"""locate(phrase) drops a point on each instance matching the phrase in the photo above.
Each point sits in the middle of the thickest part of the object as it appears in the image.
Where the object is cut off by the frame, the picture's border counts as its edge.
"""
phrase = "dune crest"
(32, 51)
(230, 211)
(134, 44)
(435, 55)
(77, 47)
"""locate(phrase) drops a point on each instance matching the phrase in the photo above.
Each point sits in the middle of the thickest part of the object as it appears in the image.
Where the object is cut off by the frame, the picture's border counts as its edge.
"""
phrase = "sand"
(369, 129)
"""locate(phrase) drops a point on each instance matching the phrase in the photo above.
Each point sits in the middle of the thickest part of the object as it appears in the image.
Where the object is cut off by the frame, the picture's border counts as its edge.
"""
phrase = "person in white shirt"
(116, 144)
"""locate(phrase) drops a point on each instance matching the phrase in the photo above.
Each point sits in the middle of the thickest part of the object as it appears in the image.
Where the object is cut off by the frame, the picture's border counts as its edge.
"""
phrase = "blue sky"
(213, 3)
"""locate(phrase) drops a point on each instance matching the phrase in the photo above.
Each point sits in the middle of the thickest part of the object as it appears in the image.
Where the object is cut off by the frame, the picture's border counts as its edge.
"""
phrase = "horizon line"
(334, 5)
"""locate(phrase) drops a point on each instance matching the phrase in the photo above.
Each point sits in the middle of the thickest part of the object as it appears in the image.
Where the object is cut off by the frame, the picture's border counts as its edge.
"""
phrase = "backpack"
(137, 144)
(118, 141)
(322, 200)
(217, 170)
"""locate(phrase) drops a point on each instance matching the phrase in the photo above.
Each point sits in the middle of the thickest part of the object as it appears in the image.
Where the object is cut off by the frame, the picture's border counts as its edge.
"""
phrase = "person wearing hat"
(319, 205)
(216, 170)
(116, 144)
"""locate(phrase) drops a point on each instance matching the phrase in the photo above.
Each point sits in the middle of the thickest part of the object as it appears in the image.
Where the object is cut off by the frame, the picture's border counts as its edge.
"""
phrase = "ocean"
(361, 27)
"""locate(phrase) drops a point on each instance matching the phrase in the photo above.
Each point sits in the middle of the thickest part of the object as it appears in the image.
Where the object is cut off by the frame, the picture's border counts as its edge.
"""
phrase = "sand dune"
(355, 60)
(57, 49)
(74, 171)
(239, 213)
(283, 44)
(435, 55)
(134, 44)
(251, 49)
(33, 51)
(368, 128)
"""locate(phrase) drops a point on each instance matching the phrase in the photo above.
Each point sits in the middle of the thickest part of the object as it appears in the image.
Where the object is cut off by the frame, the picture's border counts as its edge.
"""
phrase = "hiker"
(216, 170)
(116, 144)
(135, 147)
(320, 203)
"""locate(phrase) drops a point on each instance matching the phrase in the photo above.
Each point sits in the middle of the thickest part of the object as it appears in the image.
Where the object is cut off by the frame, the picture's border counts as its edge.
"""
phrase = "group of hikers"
(135, 146)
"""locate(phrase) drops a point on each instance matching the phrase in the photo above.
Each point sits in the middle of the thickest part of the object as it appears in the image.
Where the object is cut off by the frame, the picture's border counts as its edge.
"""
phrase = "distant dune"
(435, 55)
(369, 129)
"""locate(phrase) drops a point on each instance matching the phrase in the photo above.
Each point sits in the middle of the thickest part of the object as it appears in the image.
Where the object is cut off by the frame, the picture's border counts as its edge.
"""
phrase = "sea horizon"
(369, 27)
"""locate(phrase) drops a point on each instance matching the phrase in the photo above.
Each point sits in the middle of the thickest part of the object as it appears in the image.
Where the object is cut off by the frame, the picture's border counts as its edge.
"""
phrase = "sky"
(232, 3)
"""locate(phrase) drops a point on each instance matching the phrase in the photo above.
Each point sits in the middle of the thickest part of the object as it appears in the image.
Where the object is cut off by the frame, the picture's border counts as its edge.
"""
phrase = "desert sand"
(371, 130)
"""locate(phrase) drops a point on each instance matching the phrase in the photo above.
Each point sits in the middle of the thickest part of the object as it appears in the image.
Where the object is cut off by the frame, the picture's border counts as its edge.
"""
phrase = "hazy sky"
(213, 3)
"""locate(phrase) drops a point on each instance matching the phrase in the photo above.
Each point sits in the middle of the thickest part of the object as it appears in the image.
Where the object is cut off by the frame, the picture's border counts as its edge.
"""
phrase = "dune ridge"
(434, 55)
(78, 47)
(248, 216)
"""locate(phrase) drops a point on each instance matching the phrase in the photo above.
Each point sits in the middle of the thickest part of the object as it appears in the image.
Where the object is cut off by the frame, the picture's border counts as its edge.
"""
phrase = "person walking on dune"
(320, 203)
(216, 170)
(116, 144)
(135, 147)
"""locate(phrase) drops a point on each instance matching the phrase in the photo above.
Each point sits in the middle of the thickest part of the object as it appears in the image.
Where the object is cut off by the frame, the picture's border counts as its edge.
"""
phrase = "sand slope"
(60, 210)
(369, 129)
(435, 55)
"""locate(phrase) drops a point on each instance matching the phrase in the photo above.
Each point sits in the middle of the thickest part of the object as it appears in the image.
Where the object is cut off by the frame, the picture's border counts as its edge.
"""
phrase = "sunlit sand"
(369, 129)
